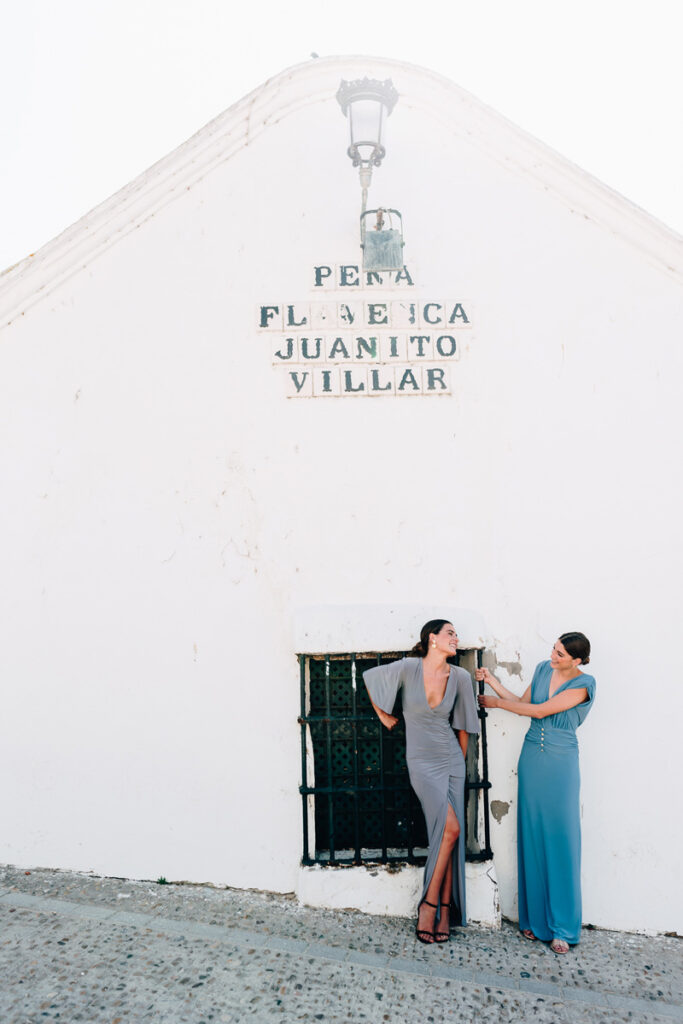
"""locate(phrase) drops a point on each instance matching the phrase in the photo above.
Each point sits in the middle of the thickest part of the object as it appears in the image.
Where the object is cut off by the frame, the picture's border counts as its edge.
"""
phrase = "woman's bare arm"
(484, 676)
(388, 721)
(463, 737)
(561, 702)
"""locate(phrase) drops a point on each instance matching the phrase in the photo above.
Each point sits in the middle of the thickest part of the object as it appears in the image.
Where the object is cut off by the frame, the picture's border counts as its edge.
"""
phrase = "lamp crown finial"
(367, 89)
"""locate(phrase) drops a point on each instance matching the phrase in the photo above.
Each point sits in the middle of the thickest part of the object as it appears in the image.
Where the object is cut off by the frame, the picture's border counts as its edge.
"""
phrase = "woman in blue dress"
(438, 702)
(548, 814)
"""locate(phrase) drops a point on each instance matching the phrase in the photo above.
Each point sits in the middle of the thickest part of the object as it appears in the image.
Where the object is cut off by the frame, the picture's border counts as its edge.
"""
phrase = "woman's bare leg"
(442, 877)
(446, 898)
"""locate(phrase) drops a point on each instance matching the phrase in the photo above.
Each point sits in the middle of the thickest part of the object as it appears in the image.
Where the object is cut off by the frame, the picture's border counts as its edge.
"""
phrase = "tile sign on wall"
(383, 339)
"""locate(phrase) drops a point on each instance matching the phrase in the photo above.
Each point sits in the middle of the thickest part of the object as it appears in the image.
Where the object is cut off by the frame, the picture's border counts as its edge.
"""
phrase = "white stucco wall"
(170, 518)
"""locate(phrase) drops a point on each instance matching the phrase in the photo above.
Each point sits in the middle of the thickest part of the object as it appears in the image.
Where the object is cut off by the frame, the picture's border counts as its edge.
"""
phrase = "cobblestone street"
(109, 951)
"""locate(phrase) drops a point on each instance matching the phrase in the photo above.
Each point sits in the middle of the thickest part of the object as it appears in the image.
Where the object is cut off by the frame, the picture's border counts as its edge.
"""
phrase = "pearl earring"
(433, 643)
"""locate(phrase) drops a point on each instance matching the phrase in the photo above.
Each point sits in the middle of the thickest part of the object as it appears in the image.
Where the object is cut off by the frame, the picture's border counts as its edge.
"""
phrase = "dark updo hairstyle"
(422, 646)
(577, 646)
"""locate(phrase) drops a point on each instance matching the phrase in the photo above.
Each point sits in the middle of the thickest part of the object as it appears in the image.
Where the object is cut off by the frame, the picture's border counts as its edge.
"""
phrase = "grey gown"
(436, 765)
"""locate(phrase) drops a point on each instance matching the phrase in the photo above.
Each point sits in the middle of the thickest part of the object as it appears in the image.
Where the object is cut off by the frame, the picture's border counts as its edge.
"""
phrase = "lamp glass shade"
(366, 121)
(367, 103)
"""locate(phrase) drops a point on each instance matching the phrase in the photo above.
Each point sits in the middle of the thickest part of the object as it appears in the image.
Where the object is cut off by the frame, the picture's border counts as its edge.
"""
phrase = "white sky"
(94, 91)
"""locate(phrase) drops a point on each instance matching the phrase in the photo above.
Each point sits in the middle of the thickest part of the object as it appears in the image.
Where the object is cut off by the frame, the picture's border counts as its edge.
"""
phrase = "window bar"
(304, 779)
(381, 782)
(356, 780)
(328, 736)
(485, 784)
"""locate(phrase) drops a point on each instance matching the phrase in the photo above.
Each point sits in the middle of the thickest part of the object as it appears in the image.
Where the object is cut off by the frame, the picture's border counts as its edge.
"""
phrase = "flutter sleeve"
(580, 682)
(465, 710)
(383, 683)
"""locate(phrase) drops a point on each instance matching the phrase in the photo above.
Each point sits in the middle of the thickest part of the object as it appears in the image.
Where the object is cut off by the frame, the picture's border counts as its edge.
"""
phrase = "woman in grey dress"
(438, 698)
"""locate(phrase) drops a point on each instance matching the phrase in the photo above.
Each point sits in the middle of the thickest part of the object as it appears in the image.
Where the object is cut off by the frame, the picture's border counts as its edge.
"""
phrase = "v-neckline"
(555, 692)
(424, 688)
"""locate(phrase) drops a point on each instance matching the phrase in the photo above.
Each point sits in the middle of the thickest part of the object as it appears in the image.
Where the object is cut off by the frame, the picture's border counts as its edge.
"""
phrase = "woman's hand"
(482, 675)
(388, 721)
(485, 701)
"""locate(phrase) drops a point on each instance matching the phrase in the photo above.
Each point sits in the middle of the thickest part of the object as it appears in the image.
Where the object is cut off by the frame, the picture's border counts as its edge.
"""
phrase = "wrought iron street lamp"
(367, 103)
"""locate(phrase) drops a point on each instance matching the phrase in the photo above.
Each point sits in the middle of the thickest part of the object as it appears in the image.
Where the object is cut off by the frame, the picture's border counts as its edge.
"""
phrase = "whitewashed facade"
(180, 518)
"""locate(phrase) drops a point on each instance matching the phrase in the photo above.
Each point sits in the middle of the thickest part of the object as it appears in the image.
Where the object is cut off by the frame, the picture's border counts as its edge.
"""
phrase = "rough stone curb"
(335, 954)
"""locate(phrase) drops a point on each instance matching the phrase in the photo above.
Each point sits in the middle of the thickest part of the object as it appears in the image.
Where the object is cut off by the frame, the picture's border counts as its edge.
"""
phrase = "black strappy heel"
(421, 932)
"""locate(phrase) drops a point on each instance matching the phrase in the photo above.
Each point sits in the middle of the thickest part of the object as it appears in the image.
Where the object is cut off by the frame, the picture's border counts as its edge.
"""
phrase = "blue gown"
(548, 815)
(435, 763)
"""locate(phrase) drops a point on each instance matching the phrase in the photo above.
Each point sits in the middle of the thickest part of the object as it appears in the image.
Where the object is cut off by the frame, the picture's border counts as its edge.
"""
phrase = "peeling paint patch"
(513, 668)
(499, 809)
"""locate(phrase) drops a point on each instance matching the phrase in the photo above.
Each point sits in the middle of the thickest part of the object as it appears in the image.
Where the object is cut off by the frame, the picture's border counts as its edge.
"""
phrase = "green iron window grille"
(358, 805)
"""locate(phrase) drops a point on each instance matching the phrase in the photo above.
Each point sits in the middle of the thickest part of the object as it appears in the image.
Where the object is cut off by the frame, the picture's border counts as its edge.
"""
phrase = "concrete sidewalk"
(107, 951)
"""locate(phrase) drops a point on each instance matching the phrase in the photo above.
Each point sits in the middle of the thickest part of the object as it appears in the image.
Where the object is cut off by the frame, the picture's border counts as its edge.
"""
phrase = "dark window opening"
(358, 804)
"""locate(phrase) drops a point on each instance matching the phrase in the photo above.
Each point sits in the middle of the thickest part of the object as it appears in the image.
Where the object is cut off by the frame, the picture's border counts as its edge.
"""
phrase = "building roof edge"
(36, 276)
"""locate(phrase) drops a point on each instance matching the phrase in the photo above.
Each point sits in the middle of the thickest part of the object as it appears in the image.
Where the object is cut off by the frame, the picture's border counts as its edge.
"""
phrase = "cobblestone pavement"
(108, 951)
